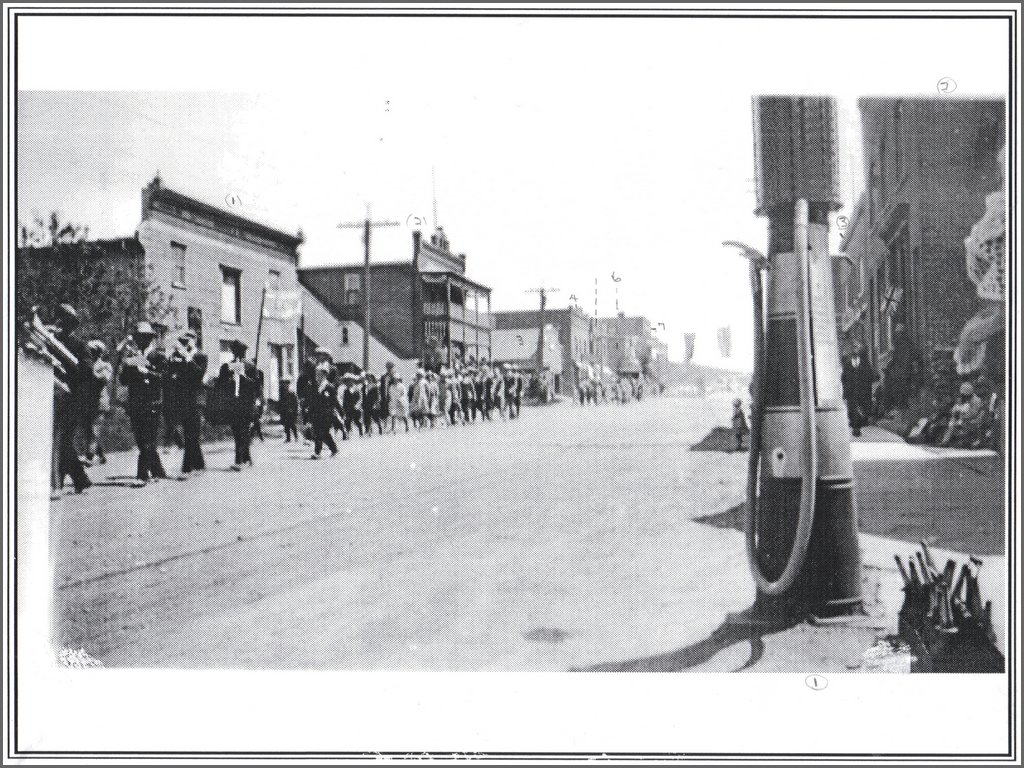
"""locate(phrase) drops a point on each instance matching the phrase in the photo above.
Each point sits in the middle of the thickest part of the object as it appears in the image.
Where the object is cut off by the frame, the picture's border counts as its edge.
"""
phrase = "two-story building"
(573, 327)
(930, 164)
(209, 269)
(423, 310)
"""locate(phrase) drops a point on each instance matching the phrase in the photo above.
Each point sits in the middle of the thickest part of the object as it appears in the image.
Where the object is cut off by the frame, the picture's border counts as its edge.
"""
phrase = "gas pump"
(801, 519)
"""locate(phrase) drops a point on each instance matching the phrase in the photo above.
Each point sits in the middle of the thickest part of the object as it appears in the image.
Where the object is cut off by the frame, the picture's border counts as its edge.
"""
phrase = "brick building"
(929, 164)
(518, 346)
(203, 269)
(424, 309)
(573, 327)
(212, 266)
(628, 346)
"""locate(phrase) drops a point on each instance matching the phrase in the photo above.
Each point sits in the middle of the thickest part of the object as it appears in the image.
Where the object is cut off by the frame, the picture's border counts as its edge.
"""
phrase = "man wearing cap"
(69, 406)
(186, 369)
(142, 372)
(242, 382)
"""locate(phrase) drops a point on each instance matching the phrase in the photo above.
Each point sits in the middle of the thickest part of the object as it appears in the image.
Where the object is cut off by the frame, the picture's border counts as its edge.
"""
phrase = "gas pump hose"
(809, 463)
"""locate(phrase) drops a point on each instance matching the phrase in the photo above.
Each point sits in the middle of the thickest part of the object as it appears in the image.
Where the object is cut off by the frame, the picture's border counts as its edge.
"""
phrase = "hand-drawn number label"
(233, 200)
(415, 222)
(946, 86)
(816, 682)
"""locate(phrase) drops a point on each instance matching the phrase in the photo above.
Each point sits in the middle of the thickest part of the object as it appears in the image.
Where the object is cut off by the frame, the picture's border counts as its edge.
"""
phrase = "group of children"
(332, 400)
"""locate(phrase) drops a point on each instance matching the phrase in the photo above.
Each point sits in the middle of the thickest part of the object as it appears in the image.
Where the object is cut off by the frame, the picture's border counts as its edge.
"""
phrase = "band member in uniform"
(68, 406)
(142, 372)
(288, 408)
(187, 367)
(323, 410)
(242, 382)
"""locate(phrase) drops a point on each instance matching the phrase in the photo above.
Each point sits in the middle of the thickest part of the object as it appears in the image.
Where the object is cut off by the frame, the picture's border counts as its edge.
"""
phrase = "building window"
(178, 265)
(275, 280)
(344, 335)
(230, 295)
(353, 287)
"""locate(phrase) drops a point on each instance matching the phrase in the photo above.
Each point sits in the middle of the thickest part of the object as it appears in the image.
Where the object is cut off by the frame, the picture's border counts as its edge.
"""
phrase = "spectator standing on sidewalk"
(858, 378)
(99, 403)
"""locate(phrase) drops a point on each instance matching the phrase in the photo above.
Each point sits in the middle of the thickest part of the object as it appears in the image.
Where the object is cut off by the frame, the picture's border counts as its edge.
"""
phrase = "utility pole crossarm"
(366, 225)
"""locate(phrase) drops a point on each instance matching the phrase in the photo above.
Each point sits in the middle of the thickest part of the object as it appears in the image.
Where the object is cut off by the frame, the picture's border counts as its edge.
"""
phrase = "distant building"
(930, 163)
(573, 327)
(519, 347)
(423, 309)
(628, 346)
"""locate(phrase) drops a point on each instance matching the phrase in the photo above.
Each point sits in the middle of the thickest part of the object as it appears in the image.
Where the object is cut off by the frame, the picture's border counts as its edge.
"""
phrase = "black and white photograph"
(528, 383)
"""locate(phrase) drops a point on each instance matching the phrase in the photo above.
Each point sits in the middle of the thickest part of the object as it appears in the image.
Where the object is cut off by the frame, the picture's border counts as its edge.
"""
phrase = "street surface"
(565, 539)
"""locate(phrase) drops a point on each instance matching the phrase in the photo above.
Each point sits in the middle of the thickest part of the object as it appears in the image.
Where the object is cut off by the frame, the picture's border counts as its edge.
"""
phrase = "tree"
(104, 280)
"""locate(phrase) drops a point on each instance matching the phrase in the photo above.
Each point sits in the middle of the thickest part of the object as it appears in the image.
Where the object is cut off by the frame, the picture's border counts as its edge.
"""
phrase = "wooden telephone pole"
(366, 225)
(540, 336)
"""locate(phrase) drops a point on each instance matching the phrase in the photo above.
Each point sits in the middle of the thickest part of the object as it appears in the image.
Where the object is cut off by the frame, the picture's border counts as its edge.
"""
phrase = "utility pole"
(540, 336)
(366, 225)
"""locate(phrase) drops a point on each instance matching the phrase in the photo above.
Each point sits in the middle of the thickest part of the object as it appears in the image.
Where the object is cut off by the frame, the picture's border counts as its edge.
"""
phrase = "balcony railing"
(439, 309)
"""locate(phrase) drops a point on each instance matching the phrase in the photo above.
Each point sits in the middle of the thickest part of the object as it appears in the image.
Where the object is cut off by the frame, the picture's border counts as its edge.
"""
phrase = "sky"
(559, 152)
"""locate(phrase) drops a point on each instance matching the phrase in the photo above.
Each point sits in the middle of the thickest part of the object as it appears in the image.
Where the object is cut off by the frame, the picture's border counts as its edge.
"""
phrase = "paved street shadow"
(742, 627)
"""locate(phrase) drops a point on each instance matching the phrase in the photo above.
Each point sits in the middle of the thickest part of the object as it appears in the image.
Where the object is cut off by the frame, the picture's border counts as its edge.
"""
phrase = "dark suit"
(857, 381)
(69, 408)
(242, 395)
(371, 407)
(186, 376)
(468, 400)
(288, 408)
(323, 408)
(145, 403)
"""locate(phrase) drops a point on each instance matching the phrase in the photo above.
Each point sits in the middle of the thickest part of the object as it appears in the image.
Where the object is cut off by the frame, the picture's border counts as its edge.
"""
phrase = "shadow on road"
(742, 627)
